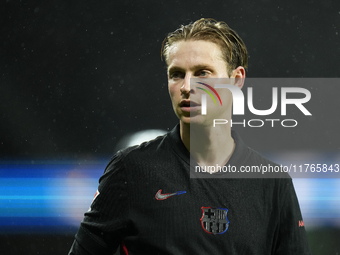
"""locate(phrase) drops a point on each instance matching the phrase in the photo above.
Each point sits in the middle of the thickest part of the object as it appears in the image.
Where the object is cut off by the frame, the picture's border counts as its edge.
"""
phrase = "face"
(196, 59)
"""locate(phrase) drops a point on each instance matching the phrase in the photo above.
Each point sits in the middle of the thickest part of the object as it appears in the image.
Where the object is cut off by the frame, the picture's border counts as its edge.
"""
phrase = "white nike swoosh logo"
(160, 196)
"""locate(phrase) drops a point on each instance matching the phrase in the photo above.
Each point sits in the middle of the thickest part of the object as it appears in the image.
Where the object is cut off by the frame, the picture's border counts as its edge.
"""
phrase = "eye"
(202, 73)
(176, 75)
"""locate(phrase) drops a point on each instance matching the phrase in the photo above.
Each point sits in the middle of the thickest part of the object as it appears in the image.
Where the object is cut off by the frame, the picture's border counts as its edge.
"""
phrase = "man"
(146, 201)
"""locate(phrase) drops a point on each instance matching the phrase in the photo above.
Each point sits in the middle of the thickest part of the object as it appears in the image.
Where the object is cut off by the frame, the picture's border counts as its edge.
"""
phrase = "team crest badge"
(214, 220)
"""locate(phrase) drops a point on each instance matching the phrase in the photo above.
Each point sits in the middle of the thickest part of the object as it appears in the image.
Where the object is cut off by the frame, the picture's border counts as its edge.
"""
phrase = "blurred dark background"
(76, 77)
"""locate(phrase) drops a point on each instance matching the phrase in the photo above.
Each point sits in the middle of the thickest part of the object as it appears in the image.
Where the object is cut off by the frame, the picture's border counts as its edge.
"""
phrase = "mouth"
(189, 106)
(188, 103)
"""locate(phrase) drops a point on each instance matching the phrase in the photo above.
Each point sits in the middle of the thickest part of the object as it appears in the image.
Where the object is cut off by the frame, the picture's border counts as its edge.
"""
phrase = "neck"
(209, 146)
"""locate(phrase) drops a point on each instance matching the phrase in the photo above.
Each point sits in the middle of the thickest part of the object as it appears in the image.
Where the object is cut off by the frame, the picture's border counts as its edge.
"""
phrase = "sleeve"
(107, 221)
(291, 238)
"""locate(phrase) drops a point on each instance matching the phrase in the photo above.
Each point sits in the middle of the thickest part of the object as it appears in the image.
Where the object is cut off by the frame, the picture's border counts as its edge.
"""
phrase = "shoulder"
(147, 149)
(139, 154)
(255, 157)
(251, 161)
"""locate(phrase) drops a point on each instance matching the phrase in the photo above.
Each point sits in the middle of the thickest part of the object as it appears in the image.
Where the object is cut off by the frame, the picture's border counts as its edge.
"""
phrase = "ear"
(239, 74)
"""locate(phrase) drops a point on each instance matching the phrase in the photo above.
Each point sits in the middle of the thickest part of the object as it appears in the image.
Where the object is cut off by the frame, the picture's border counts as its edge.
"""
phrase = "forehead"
(192, 52)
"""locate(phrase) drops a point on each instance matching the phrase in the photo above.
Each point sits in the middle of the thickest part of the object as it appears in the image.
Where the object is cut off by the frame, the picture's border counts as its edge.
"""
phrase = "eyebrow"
(196, 67)
(174, 69)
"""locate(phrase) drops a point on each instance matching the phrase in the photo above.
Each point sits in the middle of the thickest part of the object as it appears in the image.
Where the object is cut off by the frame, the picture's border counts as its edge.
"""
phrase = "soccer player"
(147, 203)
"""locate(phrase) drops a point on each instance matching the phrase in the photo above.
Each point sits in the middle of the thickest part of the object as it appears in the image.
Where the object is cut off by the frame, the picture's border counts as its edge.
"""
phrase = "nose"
(185, 89)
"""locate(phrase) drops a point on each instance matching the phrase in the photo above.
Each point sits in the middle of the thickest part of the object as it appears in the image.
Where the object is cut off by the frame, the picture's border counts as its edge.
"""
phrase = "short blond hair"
(233, 49)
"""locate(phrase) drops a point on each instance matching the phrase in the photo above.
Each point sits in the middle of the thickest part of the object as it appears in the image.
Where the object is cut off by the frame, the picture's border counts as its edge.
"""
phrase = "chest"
(233, 214)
